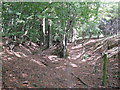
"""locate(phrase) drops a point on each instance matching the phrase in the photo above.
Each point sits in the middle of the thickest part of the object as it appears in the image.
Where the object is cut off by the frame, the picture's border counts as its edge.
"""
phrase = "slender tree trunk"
(64, 41)
(65, 36)
(64, 46)
(44, 30)
(47, 34)
(50, 33)
(70, 36)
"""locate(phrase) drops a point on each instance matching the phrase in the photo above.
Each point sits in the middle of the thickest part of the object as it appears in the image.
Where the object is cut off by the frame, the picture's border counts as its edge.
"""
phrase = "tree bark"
(50, 33)
(44, 30)
(64, 46)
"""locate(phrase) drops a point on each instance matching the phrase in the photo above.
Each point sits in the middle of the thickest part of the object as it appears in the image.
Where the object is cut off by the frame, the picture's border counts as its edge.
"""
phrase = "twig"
(80, 80)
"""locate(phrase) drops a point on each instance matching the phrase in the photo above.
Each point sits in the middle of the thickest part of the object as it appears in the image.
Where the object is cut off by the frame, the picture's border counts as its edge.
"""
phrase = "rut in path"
(83, 68)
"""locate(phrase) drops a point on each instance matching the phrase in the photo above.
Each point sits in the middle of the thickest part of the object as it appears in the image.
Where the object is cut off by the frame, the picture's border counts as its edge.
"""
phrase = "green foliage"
(19, 17)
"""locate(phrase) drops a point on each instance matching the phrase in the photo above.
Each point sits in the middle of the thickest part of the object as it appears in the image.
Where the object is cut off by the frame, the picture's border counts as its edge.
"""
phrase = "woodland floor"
(29, 67)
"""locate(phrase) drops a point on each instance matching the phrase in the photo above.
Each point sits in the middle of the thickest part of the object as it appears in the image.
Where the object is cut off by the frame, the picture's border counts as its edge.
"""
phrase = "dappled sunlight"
(33, 44)
(38, 62)
(72, 64)
(83, 60)
(113, 52)
(76, 57)
(60, 45)
(77, 46)
(8, 52)
(24, 75)
(93, 62)
(61, 67)
(20, 54)
(9, 58)
(32, 48)
(1, 53)
(52, 57)
(90, 41)
(26, 49)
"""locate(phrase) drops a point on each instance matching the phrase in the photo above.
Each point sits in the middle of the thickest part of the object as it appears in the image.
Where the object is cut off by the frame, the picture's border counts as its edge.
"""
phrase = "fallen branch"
(80, 80)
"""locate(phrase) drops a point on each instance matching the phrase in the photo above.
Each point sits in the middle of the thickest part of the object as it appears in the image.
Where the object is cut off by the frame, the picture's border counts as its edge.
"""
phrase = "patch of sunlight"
(31, 48)
(52, 57)
(78, 46)
(91, 41)
(38, 62)
(24, 75)
(84, 60)
(93, 62)
(9, 52)
(26, 49)
(20, 54)
(69, 57)
(86, 56)
(112, 52)
(61, 67)
(34, 44)
(76, 57)
(98, 58)
(73, 65)
(116, 64)
(9, 58)
(1, 53)
(17, 54)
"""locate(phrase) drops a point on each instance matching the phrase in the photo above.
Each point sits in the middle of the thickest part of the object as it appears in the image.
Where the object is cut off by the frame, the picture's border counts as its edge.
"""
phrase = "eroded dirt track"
(29, 67)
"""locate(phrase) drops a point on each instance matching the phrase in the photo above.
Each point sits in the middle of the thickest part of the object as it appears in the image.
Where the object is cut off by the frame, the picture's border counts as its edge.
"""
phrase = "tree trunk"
(70, 36)
(64, 46)
(47, 34)
(64, 41)
(44, 30)
(50, 34)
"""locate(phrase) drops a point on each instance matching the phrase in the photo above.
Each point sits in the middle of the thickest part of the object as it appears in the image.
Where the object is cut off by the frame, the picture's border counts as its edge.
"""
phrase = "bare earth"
(29, 67)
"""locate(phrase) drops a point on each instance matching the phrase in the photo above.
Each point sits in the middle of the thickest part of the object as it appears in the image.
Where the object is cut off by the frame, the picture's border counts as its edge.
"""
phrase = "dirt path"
(82, 69)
